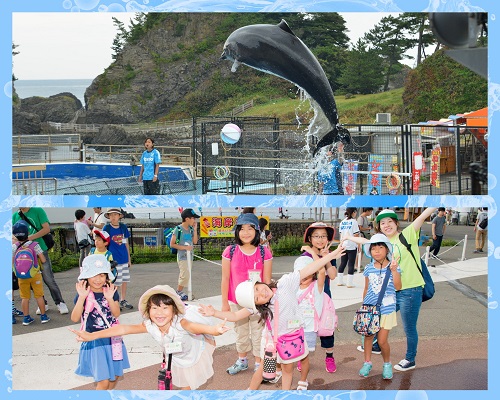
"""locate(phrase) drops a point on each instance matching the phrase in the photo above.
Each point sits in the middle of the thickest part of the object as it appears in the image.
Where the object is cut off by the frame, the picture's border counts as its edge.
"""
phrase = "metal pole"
(427, 255)
(464, 249)
(190, 267)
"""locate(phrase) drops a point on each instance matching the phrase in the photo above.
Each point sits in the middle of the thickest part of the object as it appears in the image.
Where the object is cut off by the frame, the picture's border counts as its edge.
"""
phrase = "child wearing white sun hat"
(179, 329)
(261, 298)
(97, 307)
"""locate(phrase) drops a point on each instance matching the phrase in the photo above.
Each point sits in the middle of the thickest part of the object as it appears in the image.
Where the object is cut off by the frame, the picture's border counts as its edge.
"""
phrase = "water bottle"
(269, 366)
(116, 348)
(161, 379)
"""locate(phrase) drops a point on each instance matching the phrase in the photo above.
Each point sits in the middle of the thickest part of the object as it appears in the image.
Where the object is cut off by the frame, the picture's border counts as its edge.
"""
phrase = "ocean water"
(49, 87)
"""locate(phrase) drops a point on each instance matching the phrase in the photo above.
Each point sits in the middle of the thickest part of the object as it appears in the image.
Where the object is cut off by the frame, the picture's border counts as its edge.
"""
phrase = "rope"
(210, 261)
(389, 181)
(314, 170)
(221, 172)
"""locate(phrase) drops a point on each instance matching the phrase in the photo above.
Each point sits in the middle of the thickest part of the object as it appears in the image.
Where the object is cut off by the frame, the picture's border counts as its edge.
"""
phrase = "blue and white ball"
(230, 133)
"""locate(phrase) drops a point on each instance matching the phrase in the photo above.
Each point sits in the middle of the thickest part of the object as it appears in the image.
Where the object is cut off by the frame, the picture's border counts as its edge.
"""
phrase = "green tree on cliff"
(363, 70)
(440, 87)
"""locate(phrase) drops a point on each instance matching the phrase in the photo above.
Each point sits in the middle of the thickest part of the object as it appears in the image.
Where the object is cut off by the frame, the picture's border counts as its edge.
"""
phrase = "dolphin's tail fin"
(337, 134)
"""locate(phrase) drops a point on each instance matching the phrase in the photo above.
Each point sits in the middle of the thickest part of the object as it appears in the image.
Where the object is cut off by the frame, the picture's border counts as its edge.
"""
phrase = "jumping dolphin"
(276, 50)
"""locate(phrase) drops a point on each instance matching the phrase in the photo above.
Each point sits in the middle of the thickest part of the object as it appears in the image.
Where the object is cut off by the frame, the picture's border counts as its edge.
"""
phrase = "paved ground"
(452, 350)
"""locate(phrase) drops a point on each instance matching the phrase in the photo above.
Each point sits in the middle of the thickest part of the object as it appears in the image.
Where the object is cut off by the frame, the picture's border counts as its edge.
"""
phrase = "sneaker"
(27, 320)
(44, 318)
(477, 251)
(375, 349)
(330, 365)
(404, 365)
(365, 369)
(256, 367)
(387, 371)
(182, 295)
(17, 313)
(38, 312)
(63, 308)
(126, 304)
(299, 366)
(238, 366)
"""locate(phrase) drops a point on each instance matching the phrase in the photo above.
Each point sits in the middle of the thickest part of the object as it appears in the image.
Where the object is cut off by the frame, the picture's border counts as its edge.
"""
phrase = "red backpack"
(325, 323)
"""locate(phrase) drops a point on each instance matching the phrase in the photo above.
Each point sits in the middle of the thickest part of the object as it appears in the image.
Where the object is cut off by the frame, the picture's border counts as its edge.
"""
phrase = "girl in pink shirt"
(244, 260)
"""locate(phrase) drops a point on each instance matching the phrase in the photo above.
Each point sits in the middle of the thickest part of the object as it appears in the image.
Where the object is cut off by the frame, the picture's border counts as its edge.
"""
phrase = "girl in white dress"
(171, 324)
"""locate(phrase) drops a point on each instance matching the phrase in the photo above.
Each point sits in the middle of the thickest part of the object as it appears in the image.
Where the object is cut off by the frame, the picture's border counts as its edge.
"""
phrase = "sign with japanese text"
(417, 170)
(435, 167)
(375, 164)
(221, 226)
(349, 180)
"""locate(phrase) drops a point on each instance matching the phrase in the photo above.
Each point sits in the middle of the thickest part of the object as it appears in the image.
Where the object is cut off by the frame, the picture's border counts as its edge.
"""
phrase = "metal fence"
(118, 186)
(275, 158)
(29, 149)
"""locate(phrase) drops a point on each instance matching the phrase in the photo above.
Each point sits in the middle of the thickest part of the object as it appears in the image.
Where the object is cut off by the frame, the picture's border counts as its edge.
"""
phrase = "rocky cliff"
(28, 114)
(151, 76)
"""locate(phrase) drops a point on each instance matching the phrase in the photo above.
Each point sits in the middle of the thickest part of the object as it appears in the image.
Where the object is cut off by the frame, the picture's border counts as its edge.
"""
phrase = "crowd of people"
(264, 311)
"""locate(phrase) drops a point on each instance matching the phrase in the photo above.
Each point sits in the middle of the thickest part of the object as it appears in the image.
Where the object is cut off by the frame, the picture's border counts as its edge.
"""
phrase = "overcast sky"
(78, 45)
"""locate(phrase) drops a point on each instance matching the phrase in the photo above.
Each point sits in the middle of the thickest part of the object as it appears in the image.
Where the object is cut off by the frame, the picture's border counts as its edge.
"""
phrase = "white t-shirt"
(82, 231)
(289, 314)
(99, 219)
(192, 345)
(348, 227)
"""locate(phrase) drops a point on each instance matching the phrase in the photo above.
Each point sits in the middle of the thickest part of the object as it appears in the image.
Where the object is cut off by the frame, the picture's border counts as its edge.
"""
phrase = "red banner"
(418, 164)
(435, 167)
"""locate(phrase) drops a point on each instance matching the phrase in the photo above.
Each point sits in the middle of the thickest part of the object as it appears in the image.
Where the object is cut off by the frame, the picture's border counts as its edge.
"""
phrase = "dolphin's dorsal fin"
(284, 26)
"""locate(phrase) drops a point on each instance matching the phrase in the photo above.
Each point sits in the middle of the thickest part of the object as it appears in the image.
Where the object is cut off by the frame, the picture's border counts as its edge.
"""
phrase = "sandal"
(279, 374)
(302, 385)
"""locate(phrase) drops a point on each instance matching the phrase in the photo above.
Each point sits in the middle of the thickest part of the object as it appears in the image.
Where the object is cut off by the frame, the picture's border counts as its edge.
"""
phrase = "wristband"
(156, 176)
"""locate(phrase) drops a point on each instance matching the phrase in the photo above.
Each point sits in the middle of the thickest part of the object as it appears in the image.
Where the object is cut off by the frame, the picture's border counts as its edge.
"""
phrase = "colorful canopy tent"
(476, 120)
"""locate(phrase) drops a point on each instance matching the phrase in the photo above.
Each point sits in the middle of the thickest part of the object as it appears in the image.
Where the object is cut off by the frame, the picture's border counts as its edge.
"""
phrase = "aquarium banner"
(222, 226)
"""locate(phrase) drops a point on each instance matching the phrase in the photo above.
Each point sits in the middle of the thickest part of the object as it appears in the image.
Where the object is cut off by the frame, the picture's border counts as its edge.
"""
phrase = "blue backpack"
(177, 230)
(25, 261)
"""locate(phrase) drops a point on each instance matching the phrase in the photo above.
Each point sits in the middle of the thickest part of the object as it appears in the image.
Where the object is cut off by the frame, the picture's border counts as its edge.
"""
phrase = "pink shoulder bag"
(290, 345)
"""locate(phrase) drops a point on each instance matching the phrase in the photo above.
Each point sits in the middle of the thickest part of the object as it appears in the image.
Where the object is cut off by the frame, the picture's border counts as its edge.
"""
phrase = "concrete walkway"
(45, 357)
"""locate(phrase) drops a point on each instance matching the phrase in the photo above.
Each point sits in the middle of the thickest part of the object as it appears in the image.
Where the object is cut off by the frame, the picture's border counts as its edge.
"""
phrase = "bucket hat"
(250, 219)
(377, 238)
(103, 235)
(245, 295)
(112, 210)
(161, 289)
(330, 230)
(386, 214)
(95, 264)
(301, 262)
